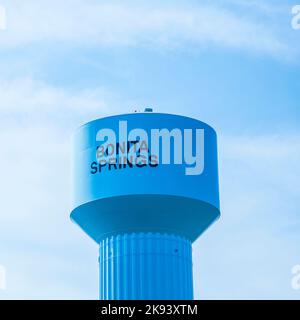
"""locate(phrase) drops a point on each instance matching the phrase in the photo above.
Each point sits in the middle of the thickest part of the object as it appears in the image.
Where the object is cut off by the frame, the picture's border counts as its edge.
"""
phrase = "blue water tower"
(145, 187)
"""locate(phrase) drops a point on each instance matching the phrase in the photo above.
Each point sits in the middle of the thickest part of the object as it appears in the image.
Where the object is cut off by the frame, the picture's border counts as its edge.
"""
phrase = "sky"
(234, 64)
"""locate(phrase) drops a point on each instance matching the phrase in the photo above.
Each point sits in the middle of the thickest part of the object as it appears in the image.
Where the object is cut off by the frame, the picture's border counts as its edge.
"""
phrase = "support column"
(145, 266)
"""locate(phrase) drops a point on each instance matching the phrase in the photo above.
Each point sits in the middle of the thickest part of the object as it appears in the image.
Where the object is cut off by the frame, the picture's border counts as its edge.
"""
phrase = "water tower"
(145, 188)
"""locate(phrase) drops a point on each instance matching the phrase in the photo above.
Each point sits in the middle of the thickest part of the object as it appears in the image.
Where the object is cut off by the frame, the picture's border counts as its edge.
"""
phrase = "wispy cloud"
(92, 23)
(25, 98)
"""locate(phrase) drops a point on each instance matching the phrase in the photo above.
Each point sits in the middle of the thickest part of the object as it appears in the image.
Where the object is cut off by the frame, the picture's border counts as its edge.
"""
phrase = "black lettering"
(94, 168)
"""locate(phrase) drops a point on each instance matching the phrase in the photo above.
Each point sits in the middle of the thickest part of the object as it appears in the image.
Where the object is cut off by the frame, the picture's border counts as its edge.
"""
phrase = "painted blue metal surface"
(145, 266)
(160, 199)
(144, 217)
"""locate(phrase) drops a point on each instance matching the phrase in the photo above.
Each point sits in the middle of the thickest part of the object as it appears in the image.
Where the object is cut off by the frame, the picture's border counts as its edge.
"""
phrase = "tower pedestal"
(145, 266)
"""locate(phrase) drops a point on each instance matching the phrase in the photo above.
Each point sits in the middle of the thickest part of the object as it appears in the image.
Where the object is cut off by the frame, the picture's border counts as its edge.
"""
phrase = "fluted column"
(145, 266)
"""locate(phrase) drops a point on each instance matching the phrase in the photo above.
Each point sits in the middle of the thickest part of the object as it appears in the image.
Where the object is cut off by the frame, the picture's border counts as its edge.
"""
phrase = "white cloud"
(93, 23)
(266, 7)
(28, 96)
(2, 18)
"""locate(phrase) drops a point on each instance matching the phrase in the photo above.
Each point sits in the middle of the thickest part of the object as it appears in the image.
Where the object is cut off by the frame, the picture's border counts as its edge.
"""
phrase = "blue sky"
(234, 64)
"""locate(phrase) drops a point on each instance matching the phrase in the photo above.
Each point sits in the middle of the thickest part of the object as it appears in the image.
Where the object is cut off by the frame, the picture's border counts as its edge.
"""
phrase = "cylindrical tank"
(145, 188)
